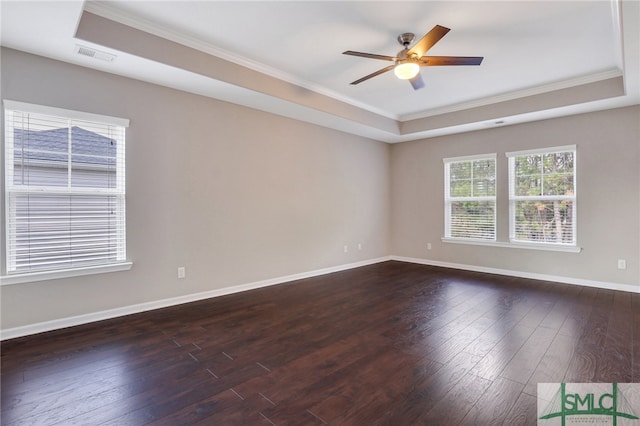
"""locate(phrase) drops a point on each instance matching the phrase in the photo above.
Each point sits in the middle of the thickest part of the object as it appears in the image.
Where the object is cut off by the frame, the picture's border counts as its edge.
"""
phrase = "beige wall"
(233, 194)
(237, 195)
(607, 189)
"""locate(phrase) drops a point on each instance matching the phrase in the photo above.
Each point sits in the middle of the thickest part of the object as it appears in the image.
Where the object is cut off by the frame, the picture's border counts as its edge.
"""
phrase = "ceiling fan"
(407, 62)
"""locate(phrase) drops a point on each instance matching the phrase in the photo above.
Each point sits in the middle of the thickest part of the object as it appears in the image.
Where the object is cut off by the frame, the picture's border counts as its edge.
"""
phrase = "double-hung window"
(542, 196)
(470, 197)
(64, 189)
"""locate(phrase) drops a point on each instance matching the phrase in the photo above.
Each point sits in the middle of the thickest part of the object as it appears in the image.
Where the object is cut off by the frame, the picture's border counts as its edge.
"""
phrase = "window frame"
(11, 190)
(513, 198)
(448, 199)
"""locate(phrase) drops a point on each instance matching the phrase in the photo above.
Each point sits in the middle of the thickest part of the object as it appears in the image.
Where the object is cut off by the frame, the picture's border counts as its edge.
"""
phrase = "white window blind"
(470, 197)
(542, 196)
(64, 188)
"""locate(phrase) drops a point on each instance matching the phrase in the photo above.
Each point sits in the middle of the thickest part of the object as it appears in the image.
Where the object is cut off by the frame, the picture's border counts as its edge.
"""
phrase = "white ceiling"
(530, 49)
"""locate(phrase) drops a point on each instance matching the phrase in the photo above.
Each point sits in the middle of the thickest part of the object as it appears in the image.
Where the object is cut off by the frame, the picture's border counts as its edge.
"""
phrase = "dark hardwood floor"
(388, 344)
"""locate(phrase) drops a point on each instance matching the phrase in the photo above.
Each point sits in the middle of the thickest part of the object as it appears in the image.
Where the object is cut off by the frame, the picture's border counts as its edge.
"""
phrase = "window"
(470, 197)
(542, 196)
(64, 189)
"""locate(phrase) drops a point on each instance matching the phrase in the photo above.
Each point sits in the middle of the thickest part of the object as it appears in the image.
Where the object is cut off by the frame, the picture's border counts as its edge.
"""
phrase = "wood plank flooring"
(387, 344)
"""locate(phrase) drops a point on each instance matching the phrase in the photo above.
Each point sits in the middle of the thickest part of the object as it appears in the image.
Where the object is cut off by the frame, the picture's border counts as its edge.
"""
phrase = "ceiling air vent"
(93, 53)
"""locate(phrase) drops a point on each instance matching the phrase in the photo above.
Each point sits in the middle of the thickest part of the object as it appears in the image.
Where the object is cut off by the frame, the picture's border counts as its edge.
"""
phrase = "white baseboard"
(41, 327)
(544, 277)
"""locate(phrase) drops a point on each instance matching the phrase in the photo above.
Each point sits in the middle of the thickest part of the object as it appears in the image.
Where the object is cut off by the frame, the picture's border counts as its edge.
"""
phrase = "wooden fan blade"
(427, 42)
(367, 77)
(370, 55)
(431, 61)
(417, 82)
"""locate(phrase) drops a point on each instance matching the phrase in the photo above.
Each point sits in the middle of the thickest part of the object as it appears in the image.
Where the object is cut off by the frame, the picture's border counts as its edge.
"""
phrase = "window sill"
(527, 246)
(63, 273)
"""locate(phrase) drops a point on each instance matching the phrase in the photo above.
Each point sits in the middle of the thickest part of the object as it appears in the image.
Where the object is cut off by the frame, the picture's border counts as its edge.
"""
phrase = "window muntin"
(65, 189)
(542, 196)
(470, 197)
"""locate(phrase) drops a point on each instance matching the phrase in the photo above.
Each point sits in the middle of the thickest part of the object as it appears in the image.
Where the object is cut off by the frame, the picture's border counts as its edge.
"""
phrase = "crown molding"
(107, 11)
(518, 94)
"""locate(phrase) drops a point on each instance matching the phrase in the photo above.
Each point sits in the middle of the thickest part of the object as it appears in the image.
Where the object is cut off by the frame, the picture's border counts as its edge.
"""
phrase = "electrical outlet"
(622, 264)
(359, 246)
(346, 248)
(428, 246)
(182, 272)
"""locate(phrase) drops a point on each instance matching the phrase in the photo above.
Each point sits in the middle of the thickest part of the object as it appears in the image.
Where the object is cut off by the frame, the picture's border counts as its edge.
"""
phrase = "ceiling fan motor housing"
(403, 56)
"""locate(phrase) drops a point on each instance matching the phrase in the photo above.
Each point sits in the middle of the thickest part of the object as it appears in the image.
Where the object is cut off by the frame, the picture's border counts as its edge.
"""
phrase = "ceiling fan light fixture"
(406, 70)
